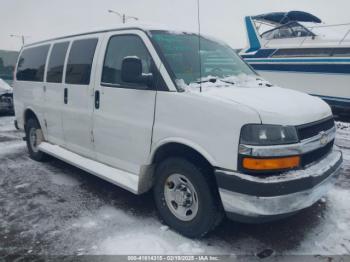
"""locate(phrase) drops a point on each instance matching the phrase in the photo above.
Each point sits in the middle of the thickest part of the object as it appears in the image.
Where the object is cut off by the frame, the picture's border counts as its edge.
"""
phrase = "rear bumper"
(258, 199)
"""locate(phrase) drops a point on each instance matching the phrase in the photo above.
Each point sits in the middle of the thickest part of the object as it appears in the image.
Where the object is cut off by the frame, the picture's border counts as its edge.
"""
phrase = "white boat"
(296, 50)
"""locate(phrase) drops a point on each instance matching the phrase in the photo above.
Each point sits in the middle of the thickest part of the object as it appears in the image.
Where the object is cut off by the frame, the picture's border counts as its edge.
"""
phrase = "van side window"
(80, 60)
(56, 62)
(31, 64)
(118, 48)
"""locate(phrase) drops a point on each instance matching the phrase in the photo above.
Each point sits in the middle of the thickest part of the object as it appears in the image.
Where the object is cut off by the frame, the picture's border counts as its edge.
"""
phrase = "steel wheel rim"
(181, 197)
(35, 138)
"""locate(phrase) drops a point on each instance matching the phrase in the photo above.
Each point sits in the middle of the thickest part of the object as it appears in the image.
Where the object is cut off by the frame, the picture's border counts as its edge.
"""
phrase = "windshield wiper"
(211, 80)
(228, 82)
(214, 80)
(264, 82)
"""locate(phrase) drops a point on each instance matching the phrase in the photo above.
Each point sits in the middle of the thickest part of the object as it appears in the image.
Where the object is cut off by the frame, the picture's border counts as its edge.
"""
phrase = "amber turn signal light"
(271, 163)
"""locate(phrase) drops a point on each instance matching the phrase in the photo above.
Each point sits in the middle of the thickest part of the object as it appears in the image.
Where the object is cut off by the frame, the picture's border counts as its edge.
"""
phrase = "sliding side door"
(78, 97)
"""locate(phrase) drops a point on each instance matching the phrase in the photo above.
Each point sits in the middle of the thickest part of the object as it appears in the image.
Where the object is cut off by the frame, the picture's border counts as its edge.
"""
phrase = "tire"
(191, 216)
(34, 136)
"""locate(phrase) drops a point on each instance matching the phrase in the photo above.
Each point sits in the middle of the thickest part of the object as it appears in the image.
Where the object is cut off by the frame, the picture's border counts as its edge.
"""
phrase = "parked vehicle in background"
(143, 108)
(6, 97)
(293, 50)
(8, 61)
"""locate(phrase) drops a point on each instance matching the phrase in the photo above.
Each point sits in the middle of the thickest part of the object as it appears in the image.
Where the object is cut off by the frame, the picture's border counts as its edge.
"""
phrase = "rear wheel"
(34, 136)
(185, 198)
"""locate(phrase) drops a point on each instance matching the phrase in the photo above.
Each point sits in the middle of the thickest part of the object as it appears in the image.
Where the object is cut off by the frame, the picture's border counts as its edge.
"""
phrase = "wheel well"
(180, 150)
(29, 114)
(192, 155)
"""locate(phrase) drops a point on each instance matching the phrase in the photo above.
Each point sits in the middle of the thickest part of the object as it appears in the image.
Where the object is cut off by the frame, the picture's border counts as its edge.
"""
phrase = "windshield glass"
(290, 30)
(181, 55)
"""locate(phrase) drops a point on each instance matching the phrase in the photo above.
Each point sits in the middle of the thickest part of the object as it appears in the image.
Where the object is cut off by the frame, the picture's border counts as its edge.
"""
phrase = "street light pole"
(22, 37)
(123, 16)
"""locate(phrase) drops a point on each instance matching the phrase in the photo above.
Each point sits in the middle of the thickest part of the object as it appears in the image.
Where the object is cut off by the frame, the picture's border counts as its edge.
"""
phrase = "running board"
(116, 176)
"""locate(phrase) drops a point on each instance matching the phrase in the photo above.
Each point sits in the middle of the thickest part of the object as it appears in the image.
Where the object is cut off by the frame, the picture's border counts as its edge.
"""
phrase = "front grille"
(313, 129)
(316, 155)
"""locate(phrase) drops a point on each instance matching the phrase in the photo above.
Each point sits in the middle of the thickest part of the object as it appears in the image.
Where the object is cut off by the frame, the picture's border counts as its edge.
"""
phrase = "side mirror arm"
(147, 79)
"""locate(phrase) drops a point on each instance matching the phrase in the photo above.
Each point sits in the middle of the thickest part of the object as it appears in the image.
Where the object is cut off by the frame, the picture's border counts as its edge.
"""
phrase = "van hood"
(275, 105)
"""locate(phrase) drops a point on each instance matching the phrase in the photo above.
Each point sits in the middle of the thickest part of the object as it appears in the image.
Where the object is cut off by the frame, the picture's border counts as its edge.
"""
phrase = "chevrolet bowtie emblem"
(323, 138)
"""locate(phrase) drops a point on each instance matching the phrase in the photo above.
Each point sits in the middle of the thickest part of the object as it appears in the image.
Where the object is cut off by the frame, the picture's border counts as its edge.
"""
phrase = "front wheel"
(185, 198)
(34, 136)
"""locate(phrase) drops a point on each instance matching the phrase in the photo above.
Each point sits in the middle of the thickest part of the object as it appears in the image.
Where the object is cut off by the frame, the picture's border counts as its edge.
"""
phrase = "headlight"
(263, 135)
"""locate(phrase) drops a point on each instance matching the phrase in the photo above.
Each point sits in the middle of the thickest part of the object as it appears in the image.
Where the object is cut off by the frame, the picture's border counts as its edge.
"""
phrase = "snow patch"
(22, 186)
(164, 228)
(144, 243)
(210, 82)
(332, 237)
(63, 179)
(86, 224)
(7, 124)
(148, 242)
(342, 126)
(11, 148)
(343, 134)
(116, 232)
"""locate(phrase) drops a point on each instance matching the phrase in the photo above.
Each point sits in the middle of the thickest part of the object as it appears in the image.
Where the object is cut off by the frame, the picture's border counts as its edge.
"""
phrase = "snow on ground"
(343, 134)
(6, 124)
(53, 208)
(332, 237)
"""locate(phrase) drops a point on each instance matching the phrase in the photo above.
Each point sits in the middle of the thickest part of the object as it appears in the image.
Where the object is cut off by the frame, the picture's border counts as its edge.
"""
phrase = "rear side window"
(118, 48)
(31, 64)
(80, 60)
(56, 62)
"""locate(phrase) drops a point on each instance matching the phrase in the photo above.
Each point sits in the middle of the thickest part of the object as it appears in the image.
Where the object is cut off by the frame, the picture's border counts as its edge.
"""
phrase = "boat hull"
(333, 88)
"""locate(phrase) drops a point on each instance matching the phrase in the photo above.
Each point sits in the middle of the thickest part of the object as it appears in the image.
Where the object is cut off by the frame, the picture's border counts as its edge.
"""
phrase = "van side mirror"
(132, 72)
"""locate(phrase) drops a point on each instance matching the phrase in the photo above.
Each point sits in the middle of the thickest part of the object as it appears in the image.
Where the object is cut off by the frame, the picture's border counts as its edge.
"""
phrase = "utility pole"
(123, 16)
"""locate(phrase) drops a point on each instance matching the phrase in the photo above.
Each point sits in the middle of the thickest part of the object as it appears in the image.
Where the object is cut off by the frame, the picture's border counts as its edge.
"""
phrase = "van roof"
(135, 26)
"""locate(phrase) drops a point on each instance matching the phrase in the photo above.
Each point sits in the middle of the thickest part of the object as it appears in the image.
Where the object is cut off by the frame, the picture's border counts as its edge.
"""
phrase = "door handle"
(65, 95)
(97, 99)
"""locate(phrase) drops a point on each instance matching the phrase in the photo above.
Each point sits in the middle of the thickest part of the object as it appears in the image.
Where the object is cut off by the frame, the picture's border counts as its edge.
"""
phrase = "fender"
(40, 119)
(185, 142)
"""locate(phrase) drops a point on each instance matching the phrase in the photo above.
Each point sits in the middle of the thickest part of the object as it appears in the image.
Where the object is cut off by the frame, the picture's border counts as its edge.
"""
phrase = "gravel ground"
(53, 208)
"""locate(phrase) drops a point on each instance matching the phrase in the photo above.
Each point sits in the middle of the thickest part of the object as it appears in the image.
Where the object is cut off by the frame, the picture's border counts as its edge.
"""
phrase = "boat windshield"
(290, 30)
(180, 53)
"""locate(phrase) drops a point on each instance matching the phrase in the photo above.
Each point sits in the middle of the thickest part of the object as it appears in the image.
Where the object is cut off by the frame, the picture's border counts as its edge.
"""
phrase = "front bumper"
(256, 199)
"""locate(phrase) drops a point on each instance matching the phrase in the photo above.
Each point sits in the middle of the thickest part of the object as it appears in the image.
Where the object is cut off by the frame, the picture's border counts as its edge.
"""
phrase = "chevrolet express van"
(143, 108)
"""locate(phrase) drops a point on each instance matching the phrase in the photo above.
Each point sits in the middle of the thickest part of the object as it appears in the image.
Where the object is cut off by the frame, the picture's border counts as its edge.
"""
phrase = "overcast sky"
(42, 19)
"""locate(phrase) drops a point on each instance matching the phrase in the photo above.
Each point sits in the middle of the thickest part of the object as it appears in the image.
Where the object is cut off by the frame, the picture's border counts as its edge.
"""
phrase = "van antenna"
(199, 47)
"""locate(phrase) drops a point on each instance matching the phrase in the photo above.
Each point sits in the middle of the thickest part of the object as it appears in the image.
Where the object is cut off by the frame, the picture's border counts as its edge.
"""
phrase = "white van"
(143, 109)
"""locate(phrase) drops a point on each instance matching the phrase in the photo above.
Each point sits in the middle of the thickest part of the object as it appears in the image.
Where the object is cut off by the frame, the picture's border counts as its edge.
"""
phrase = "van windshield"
(180, 54)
